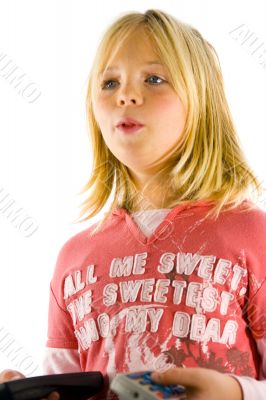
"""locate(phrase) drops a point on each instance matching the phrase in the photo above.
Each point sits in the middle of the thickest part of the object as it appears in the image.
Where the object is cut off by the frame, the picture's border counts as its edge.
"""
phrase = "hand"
(11, 375)
(201, 383)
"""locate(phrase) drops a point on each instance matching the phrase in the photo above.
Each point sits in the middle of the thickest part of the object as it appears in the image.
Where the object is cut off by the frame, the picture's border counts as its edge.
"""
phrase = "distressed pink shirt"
(190, 294)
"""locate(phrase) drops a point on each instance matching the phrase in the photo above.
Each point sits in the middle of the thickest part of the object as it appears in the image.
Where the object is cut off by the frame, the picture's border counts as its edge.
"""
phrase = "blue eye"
(106, 84)
(157, 77)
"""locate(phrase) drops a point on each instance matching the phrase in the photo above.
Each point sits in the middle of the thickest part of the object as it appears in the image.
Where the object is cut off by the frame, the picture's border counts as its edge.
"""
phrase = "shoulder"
(253, 217)
(247, 218)
(248, 230)
(75, 251)
(242, 228)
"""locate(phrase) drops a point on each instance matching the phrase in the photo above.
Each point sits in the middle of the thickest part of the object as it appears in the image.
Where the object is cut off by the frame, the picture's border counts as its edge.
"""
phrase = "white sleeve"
(255, 389)
(59, 361)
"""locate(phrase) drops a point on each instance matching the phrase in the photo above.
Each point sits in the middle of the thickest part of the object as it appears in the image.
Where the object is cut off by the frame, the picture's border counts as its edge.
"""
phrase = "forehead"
(138, 48)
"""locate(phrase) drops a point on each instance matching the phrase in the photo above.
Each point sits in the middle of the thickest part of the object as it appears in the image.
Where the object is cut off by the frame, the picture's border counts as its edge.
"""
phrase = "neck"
(155, 198)
(152, 193)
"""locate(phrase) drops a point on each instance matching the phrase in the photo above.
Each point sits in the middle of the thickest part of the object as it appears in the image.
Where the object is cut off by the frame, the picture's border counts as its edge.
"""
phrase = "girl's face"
(137, 89)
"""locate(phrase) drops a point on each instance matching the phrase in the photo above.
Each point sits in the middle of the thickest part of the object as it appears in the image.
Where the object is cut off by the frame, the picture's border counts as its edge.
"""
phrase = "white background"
(45, 156)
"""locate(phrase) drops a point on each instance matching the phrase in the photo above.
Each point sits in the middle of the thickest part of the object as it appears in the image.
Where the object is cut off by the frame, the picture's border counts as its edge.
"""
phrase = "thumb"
(180, 376)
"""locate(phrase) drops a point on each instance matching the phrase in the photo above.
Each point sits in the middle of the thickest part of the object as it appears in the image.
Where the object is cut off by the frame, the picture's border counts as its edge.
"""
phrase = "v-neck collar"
(163, 227)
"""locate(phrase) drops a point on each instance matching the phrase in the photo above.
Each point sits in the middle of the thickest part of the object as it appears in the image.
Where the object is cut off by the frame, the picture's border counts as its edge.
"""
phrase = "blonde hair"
(208, 163)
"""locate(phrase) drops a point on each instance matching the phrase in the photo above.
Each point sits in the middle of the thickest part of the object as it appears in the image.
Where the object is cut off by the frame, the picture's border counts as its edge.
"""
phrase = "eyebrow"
(116, 68)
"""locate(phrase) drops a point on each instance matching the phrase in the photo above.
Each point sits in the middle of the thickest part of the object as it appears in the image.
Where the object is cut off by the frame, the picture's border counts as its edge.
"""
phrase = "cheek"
(164, 100)
(100, 109)
(170, 110)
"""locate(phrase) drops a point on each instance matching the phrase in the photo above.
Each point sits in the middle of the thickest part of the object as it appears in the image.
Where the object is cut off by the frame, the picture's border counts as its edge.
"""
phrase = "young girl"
(173, 277)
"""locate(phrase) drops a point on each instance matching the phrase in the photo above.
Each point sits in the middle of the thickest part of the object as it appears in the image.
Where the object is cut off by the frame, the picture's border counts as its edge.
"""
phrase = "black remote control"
(71, 386)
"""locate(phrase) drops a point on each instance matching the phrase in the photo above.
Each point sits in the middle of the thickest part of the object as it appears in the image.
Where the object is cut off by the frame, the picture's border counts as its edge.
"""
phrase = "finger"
(9, 375)
(54, 396)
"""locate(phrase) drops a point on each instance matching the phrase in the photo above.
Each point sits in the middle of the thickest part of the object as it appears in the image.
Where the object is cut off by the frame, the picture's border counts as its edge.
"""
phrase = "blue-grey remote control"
(139, 386)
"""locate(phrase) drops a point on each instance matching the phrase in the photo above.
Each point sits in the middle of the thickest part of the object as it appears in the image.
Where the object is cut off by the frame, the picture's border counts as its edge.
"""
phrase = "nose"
(129, 96)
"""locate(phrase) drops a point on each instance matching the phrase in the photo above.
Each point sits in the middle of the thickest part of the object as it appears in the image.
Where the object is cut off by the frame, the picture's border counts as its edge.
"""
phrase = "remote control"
(140, 386)
(71, 386)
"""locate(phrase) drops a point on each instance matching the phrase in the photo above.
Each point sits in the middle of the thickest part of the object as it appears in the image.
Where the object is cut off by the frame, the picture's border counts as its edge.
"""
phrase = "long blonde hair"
(208, 163)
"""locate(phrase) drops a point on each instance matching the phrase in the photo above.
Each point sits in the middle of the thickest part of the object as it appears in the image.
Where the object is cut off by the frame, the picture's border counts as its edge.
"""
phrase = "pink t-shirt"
(191, 294)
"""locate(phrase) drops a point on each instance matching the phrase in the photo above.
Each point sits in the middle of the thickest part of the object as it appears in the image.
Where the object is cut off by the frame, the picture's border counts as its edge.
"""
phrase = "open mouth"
(129, 128)
(129, 125)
